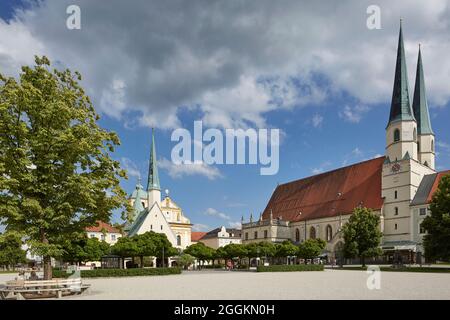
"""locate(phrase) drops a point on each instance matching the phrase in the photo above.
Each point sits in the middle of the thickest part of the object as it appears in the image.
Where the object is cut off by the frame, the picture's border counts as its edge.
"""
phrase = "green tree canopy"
(57, 176)
(200, 251)
(437, 225)
(125, 247)
(362, 235)
(85, 249)
(186, 260)
(11, 252)
(285, 249)
(311, 248)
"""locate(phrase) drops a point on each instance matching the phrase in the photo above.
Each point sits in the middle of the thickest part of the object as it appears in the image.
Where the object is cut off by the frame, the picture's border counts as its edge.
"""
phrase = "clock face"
(396, 167)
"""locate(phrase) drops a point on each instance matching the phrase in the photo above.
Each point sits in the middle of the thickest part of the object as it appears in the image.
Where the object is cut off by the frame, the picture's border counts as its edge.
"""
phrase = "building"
(196, 236)
(397, 186)
(104, 232)
(220, 237)
(153, 214)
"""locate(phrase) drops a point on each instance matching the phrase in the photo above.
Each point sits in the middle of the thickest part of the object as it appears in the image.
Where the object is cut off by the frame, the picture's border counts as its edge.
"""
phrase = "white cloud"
(235, 225)
(200, 227)
(177, 171)
(130, 167)
(214, 213)
(353, 114)
(235, 62)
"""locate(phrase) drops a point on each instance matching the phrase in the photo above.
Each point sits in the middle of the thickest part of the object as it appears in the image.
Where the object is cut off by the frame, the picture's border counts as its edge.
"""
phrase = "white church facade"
(398, 186)
(151, 213)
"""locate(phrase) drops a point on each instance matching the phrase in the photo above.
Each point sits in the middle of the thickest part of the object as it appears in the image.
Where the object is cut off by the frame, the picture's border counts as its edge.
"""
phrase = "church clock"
(395, 167)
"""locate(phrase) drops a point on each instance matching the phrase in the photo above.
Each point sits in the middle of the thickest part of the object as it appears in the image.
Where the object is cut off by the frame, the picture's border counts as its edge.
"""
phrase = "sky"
(314, 70)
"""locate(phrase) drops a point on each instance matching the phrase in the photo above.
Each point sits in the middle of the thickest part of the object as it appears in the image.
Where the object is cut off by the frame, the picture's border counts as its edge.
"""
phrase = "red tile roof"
(435, 186)
(195, 236)
(329, 194)
(103, 226)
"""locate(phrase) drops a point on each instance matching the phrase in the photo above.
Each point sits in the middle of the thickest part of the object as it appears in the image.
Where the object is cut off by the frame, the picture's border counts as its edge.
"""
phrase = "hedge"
(291, 267)
(98, 273)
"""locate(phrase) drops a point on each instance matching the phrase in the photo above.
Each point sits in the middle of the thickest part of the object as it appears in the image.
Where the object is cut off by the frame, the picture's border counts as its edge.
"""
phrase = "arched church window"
(297, 235)
(396, 211)
(178, 240)
(312, 233)
(396, 135)
(143, 204)
(329, 233)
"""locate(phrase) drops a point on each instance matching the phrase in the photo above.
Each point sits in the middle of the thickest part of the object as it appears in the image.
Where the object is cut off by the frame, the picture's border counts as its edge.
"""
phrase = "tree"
(362, 235)
(186, 260)
(267, 249)
(285, 249)
(200, 251)
(85, 249)
(125, 247)
(57, 176)
(146, 245)
(11, 252)
(437, 225)
(311, 248)
(235, 250)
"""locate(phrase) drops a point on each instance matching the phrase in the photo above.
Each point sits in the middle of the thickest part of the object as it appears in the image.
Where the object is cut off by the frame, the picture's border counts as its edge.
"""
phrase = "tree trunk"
(48, 274)
(363, 261)
(142, 261)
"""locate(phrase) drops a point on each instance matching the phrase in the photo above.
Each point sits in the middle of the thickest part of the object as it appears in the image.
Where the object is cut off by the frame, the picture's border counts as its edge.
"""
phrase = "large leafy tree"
(125, 247)
(85, 249)
(285, 249)
(437, 224)
(362, 235)
(311, 248)
(201, 251)
(11, 252)
(57, 176)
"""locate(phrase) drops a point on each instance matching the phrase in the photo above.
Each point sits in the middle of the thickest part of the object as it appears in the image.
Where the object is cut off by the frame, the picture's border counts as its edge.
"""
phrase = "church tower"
(401, 131)
(153, 187)
(404, 166)
(425, 139)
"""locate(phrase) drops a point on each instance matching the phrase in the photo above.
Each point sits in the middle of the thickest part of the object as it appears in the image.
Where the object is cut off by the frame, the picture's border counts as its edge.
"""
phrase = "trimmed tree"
(200, 251)
(11, 252)
(311, 248)
(437, 225)
(362, 235)
(85, 249)
(57, 176)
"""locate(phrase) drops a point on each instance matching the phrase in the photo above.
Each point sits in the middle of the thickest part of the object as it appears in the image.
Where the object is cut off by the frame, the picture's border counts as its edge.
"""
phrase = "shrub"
(292, 267)
(98, 273)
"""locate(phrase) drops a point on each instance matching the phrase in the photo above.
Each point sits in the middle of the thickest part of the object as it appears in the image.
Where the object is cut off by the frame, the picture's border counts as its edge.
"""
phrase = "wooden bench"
(21, 289)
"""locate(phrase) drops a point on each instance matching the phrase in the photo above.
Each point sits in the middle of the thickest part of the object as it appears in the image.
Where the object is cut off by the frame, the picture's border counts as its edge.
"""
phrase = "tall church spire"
(153, 177)
(400, 106)
(420, 105)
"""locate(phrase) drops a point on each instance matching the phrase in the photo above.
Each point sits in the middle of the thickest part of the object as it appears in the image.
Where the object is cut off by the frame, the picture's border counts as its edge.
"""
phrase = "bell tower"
(153, 187)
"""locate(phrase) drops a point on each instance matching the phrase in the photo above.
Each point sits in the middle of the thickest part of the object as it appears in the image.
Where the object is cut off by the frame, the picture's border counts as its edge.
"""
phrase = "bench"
(21, 289)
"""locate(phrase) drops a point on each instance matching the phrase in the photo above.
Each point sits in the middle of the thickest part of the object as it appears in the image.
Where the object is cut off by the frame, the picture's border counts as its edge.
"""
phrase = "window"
(421, 229)
(246, 236)
(423, 211)
(396, 226)
(92, 235)
(297, 235)
(143, 204)
(178, 240)
(265, 233)
(396, 211)
(102, 237)
(396, 194)
(161, 227)
(329, 233)
(312, 233)
(396, 135)
(151, 227)
(256, 234)
(113, 237)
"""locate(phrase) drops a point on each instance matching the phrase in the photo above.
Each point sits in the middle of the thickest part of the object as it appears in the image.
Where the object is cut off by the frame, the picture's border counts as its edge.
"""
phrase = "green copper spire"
(400, 106)
(153, 178)
(137, 205)
(420, 105)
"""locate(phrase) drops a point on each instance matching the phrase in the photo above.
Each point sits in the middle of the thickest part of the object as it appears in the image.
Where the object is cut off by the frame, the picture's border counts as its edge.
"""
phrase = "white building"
(397, 186)
(220, 237)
